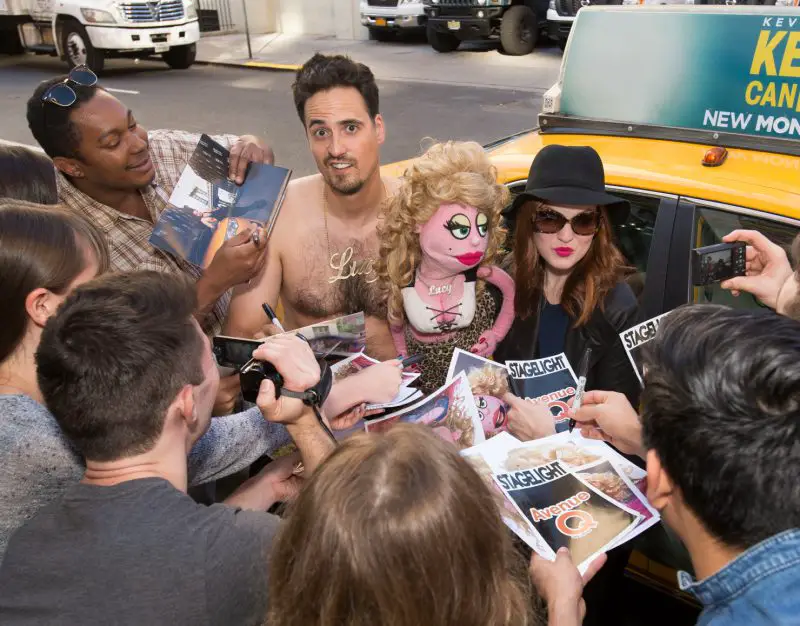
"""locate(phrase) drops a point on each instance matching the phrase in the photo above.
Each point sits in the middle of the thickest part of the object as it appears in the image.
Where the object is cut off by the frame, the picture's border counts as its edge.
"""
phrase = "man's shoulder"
(307, 189)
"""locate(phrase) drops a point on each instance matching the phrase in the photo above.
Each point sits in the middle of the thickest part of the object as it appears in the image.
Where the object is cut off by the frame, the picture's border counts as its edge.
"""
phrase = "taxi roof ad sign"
(716, 69)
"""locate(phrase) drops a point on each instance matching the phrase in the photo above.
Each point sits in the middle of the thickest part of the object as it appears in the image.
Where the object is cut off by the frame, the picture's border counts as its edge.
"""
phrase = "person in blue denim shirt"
(720, 429)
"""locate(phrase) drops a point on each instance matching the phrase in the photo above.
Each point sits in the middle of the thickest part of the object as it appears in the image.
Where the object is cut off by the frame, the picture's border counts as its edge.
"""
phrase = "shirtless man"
(322, 250)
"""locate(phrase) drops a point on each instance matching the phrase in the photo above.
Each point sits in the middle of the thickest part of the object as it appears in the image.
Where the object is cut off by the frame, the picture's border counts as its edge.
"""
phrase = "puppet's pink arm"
(399, 338)
(505, 283)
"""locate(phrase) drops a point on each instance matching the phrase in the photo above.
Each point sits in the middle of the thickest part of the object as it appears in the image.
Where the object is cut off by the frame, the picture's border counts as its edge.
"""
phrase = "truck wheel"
(180, 57)
(519, 30)
(442, 42)
(78, 48)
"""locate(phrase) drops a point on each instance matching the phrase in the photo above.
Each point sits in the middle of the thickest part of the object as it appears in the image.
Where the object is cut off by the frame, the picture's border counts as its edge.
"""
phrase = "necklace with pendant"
(342, 263)
(437, 290)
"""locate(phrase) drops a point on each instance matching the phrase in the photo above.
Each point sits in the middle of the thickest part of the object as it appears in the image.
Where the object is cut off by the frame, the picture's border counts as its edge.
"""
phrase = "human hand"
(528, 420)
(227, 395)
(277, 482)
(486, 345)
(381, 382)
(351, 417)
(561, 585)
(248, 149)
(768, 267)
(239, 259)
(609, 417)
(297, 365)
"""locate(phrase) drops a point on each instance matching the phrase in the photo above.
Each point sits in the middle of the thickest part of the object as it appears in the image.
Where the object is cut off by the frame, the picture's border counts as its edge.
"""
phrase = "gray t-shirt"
(139, 553)
(37, 463)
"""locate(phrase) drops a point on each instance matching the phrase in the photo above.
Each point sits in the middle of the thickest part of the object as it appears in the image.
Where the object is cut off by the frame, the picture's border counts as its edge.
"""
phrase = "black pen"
(273, 318)
(583, 372)
(411, 360)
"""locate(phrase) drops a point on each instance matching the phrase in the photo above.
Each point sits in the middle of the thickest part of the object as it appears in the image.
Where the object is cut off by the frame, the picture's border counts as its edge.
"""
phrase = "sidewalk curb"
(254, 65)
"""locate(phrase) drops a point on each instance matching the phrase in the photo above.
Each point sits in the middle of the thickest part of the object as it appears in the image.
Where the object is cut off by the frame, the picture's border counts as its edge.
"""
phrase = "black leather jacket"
(609, 366)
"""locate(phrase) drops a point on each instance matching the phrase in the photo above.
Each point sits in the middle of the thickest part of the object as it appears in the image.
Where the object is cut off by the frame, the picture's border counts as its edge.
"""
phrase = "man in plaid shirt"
(120, 176)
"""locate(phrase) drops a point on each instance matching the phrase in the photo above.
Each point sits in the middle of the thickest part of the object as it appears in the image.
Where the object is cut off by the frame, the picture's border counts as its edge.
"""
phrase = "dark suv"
(516, 23)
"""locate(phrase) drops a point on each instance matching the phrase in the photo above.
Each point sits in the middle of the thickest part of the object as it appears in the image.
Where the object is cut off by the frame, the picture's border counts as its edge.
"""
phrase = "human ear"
(70, 167)
(41, 304)
(660, 488)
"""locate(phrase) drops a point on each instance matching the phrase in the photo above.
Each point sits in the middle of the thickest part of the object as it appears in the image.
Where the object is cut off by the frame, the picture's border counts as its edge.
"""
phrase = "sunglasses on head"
(550, 222)
(61, 94)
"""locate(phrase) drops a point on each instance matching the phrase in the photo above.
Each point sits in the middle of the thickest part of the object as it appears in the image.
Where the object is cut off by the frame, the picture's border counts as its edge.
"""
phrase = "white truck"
(90, 31)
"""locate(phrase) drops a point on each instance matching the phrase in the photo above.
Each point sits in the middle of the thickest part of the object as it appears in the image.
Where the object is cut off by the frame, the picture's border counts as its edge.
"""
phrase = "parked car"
(516, 24)
(386, 18)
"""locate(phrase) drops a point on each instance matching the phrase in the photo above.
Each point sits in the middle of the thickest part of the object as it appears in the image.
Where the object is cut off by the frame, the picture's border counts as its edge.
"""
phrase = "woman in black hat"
(571, 295)
(571, 292)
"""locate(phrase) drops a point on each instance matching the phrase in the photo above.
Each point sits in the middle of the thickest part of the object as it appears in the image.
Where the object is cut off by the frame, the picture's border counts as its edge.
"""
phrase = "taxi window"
(712, 224)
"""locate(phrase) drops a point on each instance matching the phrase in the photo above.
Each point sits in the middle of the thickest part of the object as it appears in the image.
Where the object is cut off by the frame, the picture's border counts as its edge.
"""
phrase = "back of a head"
(721, 409)
(113, 358)
(27, 175)
(40, 247)
(397, 529)
(324, 72)
(51, 125)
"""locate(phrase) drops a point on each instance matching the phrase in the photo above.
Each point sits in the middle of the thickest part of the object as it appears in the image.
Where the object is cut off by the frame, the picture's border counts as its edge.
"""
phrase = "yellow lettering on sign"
(748, 95)
(765, 52)
(769, 96)
(787, 95)
(790, 55)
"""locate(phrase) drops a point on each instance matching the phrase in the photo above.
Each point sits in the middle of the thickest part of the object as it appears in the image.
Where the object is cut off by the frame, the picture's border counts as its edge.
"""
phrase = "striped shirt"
(128, 236)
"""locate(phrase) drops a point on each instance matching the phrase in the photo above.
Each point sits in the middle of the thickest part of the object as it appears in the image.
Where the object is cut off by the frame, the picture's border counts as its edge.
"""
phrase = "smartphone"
(712, 264)
(233, 352)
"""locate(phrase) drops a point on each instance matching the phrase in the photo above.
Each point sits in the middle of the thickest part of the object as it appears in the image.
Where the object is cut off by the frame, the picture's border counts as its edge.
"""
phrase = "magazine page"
(206, 208)
(341, 336)
(550, 380)
(450, 411)
(566, 511)
(488, 381)
(361, 361)
(634, 338)
(482, 458)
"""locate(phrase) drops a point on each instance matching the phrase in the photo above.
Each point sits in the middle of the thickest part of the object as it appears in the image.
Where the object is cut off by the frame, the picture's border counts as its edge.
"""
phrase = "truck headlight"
(96, 16)
(402, 2)
(191, 11)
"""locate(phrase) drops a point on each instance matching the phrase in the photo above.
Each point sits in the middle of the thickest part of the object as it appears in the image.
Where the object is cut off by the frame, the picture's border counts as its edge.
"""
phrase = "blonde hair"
(489, 380)
(397, 528)
(453, 172)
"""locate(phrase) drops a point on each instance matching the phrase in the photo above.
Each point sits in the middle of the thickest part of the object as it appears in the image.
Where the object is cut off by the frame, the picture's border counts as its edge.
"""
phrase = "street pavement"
(214, 99)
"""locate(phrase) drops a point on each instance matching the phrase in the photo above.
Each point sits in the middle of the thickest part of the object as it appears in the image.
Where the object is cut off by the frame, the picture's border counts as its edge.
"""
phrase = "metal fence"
(215, 15)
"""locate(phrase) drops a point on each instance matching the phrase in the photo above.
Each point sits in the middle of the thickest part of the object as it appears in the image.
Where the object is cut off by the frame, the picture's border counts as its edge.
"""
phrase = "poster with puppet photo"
(488, 381)
(450, 412)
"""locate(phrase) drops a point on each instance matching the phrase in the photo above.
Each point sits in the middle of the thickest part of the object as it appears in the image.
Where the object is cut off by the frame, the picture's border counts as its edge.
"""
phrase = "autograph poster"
(450, 412)
(634, 338)
(488, 381)
(550, 380)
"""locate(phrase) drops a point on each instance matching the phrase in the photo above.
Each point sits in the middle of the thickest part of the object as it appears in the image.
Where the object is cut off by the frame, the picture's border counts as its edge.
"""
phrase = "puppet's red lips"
(471, 258)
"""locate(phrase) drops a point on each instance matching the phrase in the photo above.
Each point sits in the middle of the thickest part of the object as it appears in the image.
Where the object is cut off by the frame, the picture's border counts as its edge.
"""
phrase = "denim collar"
(762, 560)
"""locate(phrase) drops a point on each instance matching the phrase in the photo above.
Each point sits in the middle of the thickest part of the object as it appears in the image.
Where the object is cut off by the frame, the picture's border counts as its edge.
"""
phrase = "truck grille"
(164, 11)
(382, 3)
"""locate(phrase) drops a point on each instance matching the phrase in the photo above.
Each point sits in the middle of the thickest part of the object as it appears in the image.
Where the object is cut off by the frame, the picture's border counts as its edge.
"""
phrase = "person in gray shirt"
(130, 379)
(48, 252)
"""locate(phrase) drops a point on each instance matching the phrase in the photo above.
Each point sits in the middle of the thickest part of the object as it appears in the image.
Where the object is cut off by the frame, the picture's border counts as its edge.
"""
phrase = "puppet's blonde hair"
(453, 172)
(489, 380)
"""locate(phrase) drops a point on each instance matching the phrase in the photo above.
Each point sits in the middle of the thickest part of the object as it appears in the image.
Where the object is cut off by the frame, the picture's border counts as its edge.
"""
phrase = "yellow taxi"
(695, 111)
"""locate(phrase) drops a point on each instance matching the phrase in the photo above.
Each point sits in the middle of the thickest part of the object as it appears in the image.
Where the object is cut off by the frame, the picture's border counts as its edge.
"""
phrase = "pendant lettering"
(346, 268)
(435, 291)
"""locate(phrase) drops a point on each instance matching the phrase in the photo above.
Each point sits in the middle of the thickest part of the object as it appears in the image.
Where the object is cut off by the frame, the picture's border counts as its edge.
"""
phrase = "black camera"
(254, 372)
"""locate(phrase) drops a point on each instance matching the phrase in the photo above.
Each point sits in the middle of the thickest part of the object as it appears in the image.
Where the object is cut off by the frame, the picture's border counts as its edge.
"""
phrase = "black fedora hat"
(567, 175)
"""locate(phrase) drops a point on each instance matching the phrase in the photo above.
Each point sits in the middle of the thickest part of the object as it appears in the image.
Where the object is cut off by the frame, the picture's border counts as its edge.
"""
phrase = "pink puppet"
(439, 235)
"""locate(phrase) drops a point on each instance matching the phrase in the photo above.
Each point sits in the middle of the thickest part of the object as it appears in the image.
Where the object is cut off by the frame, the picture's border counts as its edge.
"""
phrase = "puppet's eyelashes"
(482, 222)
(459, 226)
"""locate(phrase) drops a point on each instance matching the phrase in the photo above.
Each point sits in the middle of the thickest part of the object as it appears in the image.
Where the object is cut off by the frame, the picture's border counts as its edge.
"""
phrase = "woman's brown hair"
(40, 246)
(590, 281)
(397, 529)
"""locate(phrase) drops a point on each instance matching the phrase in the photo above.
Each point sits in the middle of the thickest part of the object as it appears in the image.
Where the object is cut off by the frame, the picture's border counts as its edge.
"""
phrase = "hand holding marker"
(584, 370)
